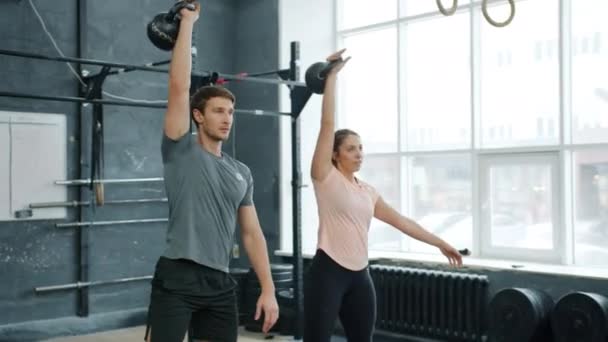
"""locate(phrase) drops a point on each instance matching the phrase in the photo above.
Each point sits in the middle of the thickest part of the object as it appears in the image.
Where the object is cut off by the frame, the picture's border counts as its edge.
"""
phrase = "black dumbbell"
(316, 75)
(163, 28)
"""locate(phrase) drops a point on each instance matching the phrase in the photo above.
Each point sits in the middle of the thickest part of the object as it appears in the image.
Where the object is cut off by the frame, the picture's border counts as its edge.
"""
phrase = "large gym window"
(370, 98)
(589, 84)
(496, 139)
(519, 211)
(435, 83)
(519, 77)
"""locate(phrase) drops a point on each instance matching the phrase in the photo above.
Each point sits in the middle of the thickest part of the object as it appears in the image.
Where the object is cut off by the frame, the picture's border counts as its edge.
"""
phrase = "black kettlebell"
(316, 75)
(163, 29)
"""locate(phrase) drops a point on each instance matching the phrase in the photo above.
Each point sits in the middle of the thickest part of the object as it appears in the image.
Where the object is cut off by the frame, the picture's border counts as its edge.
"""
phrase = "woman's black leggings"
(330, 291)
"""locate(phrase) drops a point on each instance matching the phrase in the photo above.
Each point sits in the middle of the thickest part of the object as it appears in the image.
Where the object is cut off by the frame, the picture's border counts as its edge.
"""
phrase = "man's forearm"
(255, 245)
(181, 59)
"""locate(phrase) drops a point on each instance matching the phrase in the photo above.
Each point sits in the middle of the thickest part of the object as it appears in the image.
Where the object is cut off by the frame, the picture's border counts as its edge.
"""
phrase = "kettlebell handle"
(323, 73)
(316, 75)
(173, 14)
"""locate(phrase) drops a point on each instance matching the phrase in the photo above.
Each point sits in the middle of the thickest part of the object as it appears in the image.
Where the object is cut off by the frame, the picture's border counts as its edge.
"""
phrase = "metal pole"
(261, 112)
(82, 100)
(146, 68)
(82, 251)
(125, 103)
(265, 73)
(87, 203)
(124, 70)
(230, 77)
(296, 180)
(108, 181)
(79, 60)
(108, 223)
(80, 284)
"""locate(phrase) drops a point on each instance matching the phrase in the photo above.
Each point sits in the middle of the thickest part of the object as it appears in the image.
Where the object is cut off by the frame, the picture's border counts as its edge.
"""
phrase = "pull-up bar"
(130, 67)
(125, 103)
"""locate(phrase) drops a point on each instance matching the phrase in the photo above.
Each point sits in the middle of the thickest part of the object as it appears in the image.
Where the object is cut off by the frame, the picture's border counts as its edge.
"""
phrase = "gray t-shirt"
(204, 192)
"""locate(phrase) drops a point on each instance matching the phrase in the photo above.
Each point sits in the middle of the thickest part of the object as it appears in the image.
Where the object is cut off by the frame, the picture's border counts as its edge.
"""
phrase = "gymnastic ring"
(450, 11)
(99, 194)
(484, 9)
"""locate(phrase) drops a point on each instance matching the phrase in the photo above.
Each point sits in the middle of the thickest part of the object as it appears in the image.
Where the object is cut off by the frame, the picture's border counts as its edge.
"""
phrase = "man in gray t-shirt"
(209, 192)
(205, 193)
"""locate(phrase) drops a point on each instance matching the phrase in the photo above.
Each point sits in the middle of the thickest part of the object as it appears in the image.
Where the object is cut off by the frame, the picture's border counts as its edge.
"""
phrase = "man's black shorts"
(187, 296)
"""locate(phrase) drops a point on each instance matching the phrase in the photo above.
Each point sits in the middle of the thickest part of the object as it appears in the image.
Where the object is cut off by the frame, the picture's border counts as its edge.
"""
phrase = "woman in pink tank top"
(338, 283)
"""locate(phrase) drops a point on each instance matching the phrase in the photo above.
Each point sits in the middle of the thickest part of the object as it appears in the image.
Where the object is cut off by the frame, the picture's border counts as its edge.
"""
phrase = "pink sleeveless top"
(345, 212)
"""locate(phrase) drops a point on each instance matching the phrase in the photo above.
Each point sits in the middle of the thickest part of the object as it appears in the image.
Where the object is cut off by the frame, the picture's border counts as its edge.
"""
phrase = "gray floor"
(136, 334)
